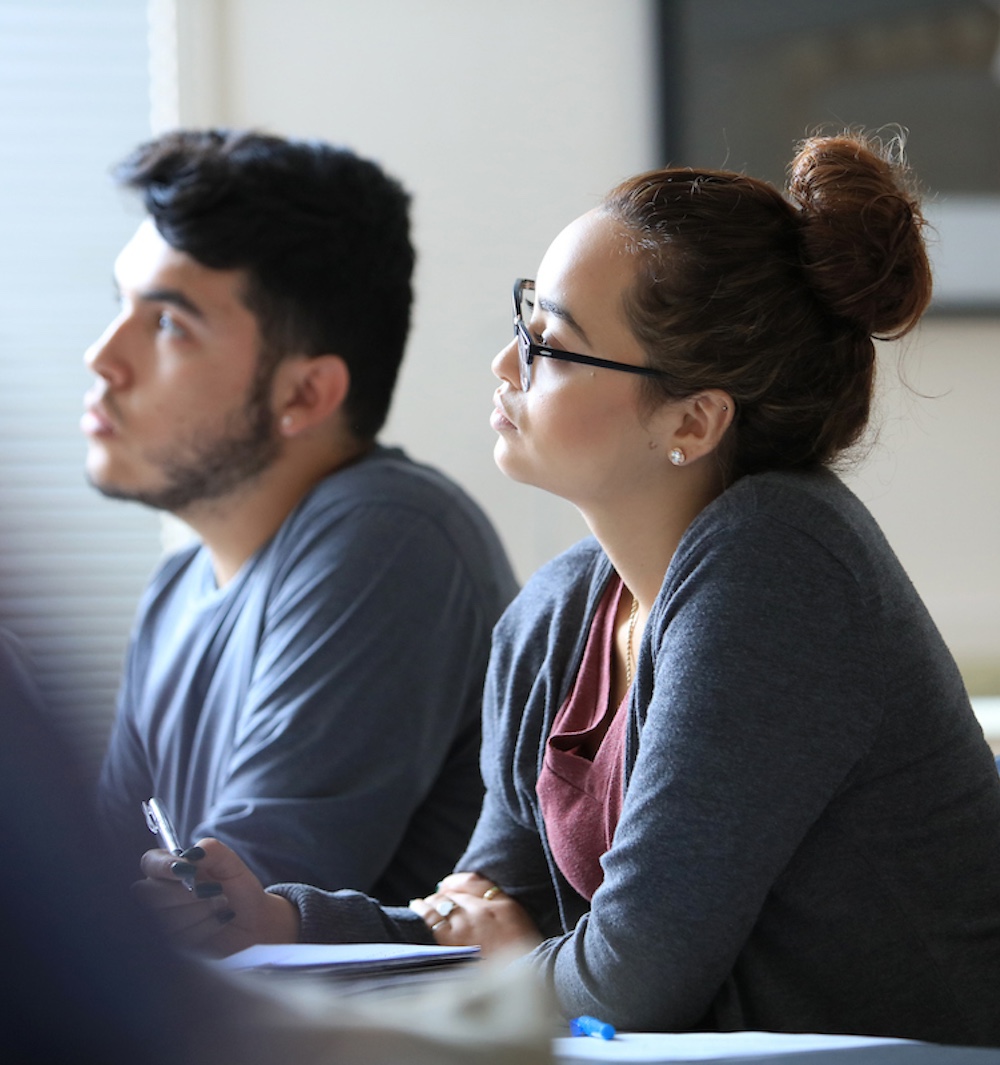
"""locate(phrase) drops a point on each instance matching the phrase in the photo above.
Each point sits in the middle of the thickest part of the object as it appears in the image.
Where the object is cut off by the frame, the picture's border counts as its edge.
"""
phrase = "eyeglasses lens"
(526, 306)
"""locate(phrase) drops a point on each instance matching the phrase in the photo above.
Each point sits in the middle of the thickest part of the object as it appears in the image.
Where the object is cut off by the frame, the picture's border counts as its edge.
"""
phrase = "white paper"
(368, 956)
(703, 1046)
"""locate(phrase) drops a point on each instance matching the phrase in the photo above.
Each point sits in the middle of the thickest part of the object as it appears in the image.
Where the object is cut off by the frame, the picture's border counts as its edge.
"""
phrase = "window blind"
(74, 98)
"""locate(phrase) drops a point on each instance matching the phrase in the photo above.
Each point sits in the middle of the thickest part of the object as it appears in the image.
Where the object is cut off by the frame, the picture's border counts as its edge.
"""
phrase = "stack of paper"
(347, 959)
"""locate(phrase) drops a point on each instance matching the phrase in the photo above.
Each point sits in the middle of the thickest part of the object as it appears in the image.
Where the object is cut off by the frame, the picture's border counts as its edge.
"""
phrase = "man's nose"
(105, 357)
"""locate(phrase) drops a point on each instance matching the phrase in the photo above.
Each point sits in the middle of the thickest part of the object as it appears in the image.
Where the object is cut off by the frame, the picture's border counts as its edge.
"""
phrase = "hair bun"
(861, 235)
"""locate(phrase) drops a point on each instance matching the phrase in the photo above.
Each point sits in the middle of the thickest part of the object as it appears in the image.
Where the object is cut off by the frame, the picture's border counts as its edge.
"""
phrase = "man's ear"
(307, 391)
(705, 418)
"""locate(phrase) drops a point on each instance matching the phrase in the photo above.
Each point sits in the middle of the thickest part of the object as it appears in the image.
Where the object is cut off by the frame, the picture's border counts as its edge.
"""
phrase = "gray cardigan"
(810, 835)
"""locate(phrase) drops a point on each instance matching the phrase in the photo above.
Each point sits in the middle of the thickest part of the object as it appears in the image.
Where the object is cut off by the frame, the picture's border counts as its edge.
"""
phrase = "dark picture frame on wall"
(742, 81)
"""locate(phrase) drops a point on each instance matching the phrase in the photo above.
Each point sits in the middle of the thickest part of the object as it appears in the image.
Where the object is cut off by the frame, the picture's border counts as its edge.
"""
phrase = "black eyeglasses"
(528, 350)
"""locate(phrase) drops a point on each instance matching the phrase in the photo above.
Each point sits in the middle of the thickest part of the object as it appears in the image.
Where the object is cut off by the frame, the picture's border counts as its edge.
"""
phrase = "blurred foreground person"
(91, 980)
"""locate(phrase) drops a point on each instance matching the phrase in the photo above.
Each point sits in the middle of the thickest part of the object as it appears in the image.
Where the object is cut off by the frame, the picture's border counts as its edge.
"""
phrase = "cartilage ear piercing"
(677, 456)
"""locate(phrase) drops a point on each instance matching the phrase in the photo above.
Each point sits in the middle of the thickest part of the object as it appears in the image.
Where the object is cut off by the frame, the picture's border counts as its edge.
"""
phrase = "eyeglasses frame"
(528, 350)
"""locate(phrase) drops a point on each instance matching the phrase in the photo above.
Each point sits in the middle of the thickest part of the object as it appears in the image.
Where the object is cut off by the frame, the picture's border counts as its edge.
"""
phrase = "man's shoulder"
(387, 490)
(387, 476)
(389, 507)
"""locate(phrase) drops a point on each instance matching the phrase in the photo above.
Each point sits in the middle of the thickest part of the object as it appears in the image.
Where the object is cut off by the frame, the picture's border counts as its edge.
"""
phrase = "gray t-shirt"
(810, 833)
(321, 712)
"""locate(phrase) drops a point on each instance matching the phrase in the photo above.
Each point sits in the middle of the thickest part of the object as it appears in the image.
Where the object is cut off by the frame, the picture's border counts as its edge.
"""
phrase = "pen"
(159, 823)
(591, 1026)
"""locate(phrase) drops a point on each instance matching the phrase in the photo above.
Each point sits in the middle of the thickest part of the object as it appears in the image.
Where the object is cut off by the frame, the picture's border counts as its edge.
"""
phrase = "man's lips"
(97, 420)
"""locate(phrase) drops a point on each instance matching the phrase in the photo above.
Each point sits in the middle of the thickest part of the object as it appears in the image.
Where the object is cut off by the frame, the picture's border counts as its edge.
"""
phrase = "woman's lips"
(499, 419)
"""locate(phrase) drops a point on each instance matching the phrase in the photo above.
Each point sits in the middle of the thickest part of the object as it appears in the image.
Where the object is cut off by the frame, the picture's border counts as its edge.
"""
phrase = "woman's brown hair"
(776, 298)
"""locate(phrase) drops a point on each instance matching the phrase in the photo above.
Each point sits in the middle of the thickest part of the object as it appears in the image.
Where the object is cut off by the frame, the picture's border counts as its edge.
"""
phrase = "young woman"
(733, 777)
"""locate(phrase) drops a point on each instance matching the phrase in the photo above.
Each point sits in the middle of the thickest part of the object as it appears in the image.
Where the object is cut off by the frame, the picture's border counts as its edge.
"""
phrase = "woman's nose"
(505, 364)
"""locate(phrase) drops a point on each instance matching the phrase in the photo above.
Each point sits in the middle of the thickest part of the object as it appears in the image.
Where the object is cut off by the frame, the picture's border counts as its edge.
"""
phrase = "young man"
(305, 683)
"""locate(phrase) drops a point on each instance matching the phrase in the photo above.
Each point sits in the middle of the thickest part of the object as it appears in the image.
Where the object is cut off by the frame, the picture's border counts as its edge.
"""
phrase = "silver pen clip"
(159, 823)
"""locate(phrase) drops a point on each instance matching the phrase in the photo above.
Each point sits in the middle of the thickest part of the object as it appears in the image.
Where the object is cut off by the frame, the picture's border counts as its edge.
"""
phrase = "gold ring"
(491, 893)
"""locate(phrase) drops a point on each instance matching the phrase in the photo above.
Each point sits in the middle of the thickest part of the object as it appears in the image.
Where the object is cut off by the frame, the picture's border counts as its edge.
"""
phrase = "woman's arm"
(506, 893)
(758, 702)
(468, 909)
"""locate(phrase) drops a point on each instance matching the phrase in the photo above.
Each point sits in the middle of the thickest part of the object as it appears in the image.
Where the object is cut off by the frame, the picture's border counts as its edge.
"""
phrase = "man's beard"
(212, 467)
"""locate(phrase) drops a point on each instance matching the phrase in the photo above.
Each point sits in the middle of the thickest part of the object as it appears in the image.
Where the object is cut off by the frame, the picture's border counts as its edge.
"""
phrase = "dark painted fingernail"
(182, 869)
(193, 854)
(225, 916)
(207, 890)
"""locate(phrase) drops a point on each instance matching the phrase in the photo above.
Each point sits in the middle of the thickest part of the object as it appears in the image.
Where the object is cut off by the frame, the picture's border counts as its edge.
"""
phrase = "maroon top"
(580, 786)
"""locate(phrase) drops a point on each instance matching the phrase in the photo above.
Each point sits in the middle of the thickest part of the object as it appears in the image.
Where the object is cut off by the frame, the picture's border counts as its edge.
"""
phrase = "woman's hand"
(469, 910)
(209, 900)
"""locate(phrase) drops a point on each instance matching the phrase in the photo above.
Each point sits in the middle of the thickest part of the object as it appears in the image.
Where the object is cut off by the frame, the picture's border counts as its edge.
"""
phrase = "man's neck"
(236, 526)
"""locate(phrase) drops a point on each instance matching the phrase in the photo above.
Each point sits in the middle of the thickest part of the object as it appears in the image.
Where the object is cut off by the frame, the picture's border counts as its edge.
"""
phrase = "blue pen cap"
(591, 1026)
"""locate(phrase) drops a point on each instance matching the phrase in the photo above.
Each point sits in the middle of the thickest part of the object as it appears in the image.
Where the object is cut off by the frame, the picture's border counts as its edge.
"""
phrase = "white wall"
(933, 480)
(506, 120)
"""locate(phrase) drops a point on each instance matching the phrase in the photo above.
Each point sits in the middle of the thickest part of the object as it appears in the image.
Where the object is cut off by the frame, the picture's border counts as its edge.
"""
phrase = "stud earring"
(287, 421)
(677, 456)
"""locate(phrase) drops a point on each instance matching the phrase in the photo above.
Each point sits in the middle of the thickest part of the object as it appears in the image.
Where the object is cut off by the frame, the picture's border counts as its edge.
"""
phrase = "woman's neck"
(640, 536)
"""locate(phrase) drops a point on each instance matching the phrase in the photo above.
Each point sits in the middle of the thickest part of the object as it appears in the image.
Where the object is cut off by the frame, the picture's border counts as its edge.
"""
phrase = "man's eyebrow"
(560, 312)
(173, 296)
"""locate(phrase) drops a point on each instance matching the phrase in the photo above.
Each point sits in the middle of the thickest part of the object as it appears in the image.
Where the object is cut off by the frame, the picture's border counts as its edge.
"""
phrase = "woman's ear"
(705, 419)
(308, 391)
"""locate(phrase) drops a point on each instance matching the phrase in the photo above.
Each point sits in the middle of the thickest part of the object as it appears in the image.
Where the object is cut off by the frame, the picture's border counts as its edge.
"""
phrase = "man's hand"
(208, 900)
(467, 909)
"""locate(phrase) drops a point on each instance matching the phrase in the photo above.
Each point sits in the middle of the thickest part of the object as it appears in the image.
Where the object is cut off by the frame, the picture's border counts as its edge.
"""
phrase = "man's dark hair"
(322, 235)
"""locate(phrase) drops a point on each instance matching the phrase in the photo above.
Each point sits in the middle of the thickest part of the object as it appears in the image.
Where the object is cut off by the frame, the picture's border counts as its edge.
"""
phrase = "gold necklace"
(632, 615)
